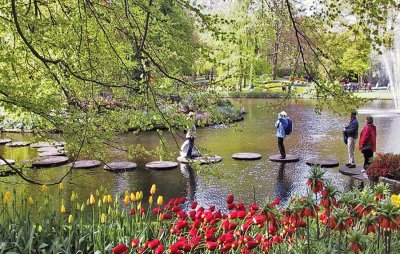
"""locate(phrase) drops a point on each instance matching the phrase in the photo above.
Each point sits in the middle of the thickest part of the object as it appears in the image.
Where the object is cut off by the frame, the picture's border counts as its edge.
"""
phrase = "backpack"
(288, 127)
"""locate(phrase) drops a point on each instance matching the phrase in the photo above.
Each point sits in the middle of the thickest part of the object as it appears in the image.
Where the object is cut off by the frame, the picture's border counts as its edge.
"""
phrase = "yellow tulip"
(6, 197)
(103, 218)
(126, 200)
(151, 200)
(61, 186)
(30, 201)
(395, 199)
(62, 209)
(153, 189)
(109, 199)
(139, 205)
(160, 200)
(40, 229)
(43, 188)
(92, 200)
(105, 200)
(70, 219)
(137, 196)
(133, 198)
(83, 207)
(140, 194)
(73, 197)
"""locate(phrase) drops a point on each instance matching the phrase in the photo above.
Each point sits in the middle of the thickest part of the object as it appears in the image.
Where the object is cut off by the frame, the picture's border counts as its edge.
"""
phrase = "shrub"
(385, 164)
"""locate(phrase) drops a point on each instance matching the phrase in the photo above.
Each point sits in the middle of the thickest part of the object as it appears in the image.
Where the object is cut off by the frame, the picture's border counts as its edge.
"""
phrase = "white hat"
(283, 114)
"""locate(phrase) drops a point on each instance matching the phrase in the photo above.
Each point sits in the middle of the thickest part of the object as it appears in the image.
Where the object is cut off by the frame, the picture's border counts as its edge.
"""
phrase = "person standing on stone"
(367, 142)
(191, 134)
(280, 132)
(351, 130)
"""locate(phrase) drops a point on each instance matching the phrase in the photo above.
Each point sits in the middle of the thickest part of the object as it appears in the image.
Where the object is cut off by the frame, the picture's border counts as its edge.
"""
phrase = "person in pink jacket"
(367, 143)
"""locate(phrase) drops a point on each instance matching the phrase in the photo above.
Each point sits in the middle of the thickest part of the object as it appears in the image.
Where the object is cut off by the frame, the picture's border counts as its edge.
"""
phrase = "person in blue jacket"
(280, 132)
(351, 131)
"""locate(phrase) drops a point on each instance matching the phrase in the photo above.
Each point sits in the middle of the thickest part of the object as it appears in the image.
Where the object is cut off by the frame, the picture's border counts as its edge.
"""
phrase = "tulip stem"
(308, 236)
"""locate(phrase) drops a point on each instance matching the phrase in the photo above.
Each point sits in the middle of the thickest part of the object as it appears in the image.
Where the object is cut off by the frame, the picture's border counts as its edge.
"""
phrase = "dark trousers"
(281, 147)
(190, 148)
(368, 154)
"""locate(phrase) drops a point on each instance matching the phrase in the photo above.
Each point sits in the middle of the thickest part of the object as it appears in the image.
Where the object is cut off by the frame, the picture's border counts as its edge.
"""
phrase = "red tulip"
(153, 244)
(355, 247)
(211, 245)
(193, 205)
(135, 243)
(159, 250)
(120, 249)
(229, 199)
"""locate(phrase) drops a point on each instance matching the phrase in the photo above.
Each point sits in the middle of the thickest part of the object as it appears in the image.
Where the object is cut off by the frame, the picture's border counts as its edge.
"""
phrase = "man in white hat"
(280, 132)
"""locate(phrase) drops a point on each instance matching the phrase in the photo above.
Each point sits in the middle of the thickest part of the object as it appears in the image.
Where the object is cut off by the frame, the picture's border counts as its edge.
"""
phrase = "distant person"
(281, 131)
(367, 142)
(351, 131)
(284, 88)
(369, 87)
(191, 134)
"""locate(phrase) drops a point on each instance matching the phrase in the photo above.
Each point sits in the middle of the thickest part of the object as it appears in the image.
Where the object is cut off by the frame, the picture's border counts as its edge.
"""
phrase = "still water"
(313, 136)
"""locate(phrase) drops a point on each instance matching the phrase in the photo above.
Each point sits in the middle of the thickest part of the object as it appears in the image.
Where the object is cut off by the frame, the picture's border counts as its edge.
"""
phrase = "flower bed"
(386, 165)
(324, 221)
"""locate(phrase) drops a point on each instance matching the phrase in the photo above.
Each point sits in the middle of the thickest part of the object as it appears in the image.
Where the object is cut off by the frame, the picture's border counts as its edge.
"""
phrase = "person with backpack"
(284, 126)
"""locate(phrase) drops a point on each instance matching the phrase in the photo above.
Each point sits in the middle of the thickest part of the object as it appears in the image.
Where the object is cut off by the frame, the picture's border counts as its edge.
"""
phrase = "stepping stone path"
(49, 161)
(17, 144)
(2, 162)
(162, 165)
(41, 144)
(205, 159)
(86, 164)
(246, 156)
(351, 171)
(289, 158)
(5, 141)
(120, 166)
(51, 153)
(323, 163)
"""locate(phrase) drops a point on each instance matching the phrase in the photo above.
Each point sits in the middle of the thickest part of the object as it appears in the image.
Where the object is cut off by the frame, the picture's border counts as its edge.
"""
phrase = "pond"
(314, 135)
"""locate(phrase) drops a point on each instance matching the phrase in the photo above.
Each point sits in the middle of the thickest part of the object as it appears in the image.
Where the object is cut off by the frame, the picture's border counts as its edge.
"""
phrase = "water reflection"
(283, 184)
(190, 174)
(313, 136)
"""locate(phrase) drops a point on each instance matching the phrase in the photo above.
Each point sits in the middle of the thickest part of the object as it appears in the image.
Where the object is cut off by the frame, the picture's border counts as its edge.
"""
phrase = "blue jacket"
(280, 130)
(352, 129)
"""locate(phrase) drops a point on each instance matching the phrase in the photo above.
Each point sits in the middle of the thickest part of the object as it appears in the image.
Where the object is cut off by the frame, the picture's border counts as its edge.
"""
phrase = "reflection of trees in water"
(283, 185)
(190, 174)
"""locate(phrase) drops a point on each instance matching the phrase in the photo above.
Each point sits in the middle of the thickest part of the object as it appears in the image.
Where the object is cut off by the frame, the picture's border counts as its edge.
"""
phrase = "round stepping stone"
(162, 165)
(86, 164)
(41, 144)
(49, 161)
(11, 162)
(351, 171)
(47, 149)
(52, 153)
(246, 156)
(17, 144)
(289, 158)
(323, 163)
(4, 141)
(120, 166)
(202, 160)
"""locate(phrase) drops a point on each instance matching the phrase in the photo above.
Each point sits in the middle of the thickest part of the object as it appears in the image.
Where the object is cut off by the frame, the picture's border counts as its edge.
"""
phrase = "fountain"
(391, 60)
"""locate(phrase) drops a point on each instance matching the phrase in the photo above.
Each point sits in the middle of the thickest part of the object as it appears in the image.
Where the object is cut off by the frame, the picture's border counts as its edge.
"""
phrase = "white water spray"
(391, 60)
